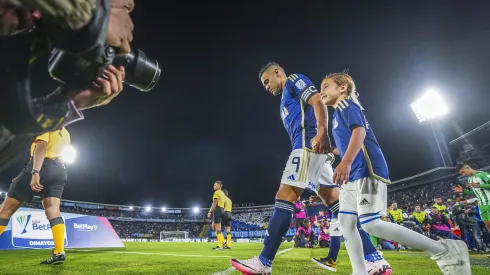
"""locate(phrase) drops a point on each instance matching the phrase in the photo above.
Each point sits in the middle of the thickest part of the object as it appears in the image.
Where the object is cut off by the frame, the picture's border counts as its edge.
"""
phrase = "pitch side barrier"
(30, 229)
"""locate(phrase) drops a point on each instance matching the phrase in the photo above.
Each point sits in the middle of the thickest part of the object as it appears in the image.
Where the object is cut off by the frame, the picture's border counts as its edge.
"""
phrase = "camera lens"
(142, 72)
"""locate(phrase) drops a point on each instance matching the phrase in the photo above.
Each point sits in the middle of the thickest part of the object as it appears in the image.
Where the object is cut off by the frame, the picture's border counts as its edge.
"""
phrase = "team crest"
(335, 123)
(301, 84)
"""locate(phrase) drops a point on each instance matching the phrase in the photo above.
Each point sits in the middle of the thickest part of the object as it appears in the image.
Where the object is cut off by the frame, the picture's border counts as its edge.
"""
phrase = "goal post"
(173, 235)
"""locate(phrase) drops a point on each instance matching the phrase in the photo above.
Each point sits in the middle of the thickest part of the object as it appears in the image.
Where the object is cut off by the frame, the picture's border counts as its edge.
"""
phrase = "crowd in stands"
(246, 221)
(423, 196)
(148, 230)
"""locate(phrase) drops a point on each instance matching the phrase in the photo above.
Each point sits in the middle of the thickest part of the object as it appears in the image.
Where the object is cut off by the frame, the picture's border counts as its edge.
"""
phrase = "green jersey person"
(479, 182)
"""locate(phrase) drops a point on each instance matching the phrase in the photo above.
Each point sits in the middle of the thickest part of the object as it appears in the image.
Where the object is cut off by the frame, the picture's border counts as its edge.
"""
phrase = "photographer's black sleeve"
(71, 14)
(76, 26)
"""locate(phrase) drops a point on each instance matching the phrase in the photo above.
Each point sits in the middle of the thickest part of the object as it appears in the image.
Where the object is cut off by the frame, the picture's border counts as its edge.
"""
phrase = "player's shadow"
(57, 269)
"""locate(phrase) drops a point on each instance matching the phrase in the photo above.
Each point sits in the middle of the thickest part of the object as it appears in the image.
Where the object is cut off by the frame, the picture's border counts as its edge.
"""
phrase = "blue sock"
(334, 248)
(333, 252)
(370, 252)
(277, 228)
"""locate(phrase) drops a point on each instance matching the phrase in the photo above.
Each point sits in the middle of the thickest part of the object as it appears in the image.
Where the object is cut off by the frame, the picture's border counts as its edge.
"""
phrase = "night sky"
(209, 118)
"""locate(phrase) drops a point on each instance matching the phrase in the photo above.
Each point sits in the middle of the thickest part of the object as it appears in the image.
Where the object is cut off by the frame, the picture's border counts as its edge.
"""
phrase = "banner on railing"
(29, 228)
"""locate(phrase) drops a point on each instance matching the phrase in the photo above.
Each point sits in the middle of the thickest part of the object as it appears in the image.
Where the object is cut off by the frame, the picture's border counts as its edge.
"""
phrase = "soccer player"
(305, 118)
(418, 215)
(363, 175)
(479, 182)
(440, 206)
(217, 210)
(227, 219)
(396, 214)
(45, 174)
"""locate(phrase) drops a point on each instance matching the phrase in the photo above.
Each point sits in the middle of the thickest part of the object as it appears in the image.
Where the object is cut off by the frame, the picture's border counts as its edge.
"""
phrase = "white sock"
(353, 243)
(394, 232)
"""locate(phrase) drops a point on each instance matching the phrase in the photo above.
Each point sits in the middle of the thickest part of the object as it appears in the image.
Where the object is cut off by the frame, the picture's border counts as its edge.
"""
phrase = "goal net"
(173, 235)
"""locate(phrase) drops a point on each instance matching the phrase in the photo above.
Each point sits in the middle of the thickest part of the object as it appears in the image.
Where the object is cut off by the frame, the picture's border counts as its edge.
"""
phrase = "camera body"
(142, 72)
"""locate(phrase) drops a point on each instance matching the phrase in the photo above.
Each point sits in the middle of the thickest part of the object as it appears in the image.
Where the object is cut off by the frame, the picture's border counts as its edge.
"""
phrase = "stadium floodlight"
(164, 209)
(196, 210)
(430, 105)
(131, 208)
(68, 154)
(148, 209)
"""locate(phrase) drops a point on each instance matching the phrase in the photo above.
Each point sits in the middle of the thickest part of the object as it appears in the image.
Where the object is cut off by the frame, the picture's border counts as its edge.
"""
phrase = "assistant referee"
(217, 209)
(45, 174)
(227, 219)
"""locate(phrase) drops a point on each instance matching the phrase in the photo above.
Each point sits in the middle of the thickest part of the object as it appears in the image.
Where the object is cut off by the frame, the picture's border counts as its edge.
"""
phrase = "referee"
(227, 219)
(218, 212)
(45, 174)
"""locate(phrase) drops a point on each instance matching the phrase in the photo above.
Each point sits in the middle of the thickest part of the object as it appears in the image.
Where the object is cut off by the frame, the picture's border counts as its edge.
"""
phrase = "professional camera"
(142, 72)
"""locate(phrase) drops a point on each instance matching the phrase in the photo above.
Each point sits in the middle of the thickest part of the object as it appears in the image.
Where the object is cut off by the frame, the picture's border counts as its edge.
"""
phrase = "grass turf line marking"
(149, 253)
(232, 269)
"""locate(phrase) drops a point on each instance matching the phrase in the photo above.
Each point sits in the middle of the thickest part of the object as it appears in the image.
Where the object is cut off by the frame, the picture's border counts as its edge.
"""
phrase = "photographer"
(440, 225)
(465, 217)
(305, 236)
(32, 27)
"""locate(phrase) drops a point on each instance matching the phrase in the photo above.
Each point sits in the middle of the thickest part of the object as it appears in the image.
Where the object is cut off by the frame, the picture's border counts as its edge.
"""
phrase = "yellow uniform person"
(227, 219)
(44, 174)
(217, 210)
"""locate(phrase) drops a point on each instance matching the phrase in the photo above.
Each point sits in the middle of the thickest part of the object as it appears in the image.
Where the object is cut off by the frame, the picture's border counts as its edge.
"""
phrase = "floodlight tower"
(431, 107)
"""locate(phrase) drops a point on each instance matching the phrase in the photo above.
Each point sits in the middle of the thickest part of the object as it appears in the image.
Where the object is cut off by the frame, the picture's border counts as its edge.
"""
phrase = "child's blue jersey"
(297, 115)
(370, 161)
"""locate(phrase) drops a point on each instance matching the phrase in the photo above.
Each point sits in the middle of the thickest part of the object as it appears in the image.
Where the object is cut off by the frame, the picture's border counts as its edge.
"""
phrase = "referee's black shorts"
(227, 219)
(218, 214)
(53, 178)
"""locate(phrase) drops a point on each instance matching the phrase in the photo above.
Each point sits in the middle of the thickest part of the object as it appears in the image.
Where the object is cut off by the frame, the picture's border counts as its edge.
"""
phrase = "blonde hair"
(341, 79)
(345, 78)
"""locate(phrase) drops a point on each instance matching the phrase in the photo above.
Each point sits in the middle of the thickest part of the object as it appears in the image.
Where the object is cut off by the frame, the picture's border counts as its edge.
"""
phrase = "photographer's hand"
(105, 91)
(120, 29)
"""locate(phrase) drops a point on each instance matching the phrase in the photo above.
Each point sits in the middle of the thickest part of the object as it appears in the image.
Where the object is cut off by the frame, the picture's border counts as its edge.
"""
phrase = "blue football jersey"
(297, 115)
(370, 161)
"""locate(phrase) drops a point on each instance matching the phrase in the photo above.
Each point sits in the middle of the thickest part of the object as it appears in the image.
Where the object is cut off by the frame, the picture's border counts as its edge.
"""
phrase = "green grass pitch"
(199, 259)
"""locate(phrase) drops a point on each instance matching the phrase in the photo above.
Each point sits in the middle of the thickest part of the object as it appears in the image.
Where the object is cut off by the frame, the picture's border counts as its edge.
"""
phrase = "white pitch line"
(283, 251)
(225, 272)
(148, 253)
(232, 269)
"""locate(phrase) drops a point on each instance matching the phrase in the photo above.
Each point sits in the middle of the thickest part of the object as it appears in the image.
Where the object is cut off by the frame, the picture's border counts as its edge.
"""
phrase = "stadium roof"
(436, 174)
(480, 132)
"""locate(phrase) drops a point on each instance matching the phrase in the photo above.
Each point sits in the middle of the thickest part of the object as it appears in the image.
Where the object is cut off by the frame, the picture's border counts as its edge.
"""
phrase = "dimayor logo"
(31, 229)
(23, 222)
